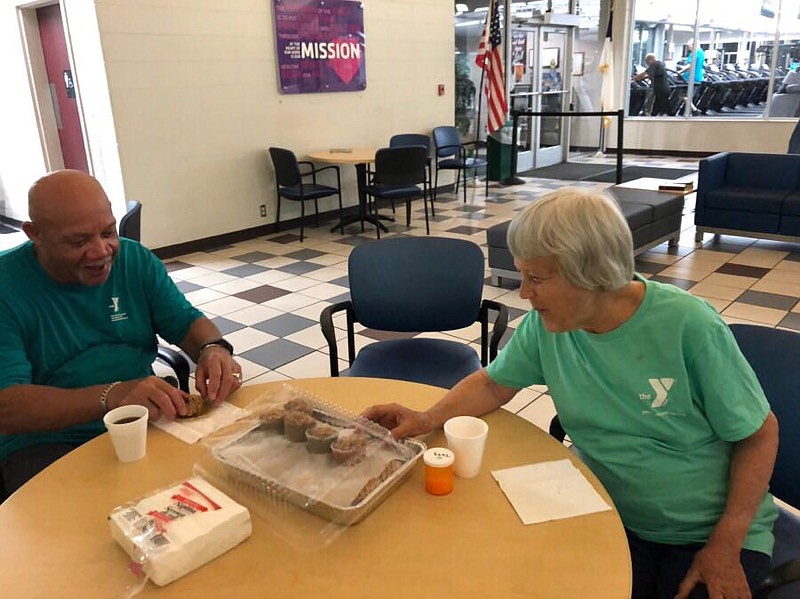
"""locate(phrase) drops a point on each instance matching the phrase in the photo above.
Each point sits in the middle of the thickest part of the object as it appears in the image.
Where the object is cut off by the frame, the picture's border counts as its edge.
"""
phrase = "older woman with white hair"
(652, 389)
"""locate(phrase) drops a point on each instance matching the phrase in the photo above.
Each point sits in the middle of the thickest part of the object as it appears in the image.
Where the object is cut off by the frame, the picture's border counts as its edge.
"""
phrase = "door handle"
(56, 106)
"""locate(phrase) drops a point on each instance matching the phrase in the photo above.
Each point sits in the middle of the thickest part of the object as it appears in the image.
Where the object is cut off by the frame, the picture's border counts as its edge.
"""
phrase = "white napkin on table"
(192, 430)
(549, 491)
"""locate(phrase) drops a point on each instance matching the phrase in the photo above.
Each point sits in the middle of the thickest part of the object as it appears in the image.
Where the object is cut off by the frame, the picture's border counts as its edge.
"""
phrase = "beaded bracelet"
(104, 395)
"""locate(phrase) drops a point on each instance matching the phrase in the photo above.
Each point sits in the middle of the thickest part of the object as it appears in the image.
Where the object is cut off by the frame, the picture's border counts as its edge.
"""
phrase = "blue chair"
(774, 355)
(130, 225)
(452, 154)
(794, 140)
(412, 285)
(415, 139)
(289, 184)
(398, 173)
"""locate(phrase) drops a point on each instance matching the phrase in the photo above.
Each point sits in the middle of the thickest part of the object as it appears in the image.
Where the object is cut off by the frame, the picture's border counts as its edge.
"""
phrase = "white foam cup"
(466, 437)
(129, 438)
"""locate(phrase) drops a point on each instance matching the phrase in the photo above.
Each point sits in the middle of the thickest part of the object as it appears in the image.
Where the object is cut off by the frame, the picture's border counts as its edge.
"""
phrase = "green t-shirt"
(654, 407)
(72, 336)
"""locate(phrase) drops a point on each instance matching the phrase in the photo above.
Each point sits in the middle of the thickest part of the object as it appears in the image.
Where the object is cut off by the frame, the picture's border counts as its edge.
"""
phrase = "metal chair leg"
(465, 185)
(425, 204)
(433, 193)
(302, 218)
(341, 213)
(316, 209)
(436, 184)
(278, 212)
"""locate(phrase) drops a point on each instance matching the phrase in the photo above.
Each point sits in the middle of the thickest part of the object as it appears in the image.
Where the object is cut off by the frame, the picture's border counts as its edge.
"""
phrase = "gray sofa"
(653, 217)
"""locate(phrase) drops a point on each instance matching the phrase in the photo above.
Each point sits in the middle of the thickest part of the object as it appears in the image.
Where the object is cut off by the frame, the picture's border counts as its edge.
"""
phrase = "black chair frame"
(424, 192)
(461, 154)
(312, 172)
(489, 345)
(178, 363)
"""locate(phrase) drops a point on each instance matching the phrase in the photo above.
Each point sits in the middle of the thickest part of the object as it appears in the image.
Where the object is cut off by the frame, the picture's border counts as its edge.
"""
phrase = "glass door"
(540, 69)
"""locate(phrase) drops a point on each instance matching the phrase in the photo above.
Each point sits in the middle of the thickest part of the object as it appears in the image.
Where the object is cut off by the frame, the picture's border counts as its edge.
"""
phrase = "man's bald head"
(72, 228)
(64, 196)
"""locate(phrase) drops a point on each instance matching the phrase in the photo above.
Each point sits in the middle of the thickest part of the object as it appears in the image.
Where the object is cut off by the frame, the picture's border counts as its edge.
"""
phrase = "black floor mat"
(603, 173)
(629, 173)
(569, 171)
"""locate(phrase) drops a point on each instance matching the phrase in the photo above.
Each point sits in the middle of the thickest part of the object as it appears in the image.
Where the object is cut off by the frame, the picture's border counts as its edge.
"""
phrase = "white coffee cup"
(127, 427)
(466, 437)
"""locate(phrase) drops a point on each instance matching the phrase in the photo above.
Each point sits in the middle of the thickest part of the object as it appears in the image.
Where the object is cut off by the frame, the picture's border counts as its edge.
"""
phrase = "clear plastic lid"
(438, 457)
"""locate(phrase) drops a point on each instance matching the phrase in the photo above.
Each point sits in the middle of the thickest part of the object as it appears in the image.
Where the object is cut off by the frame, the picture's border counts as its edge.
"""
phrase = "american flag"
(490, 59)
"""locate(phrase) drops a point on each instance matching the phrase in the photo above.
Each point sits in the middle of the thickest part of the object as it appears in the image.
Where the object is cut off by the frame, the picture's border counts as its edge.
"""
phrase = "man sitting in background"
(80, 309)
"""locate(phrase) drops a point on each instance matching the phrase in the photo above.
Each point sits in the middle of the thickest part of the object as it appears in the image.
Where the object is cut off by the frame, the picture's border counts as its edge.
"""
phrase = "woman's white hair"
(584, 231)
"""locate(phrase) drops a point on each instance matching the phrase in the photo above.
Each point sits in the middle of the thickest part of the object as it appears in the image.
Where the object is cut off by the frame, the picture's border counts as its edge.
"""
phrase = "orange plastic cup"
(438, 470)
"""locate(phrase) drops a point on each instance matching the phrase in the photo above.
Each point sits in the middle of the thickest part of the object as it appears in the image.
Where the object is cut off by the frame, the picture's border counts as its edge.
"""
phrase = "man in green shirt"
(650, 386)
(80, 309)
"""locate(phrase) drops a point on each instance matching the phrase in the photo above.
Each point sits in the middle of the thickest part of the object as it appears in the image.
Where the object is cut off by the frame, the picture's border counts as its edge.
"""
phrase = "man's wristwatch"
(218, 343)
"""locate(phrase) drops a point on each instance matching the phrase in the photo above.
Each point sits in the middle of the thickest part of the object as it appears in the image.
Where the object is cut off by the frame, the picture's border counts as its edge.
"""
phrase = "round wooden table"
(360, 158)
(56, 541)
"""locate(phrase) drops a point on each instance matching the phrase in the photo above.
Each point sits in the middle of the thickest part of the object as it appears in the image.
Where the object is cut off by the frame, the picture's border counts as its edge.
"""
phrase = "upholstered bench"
(653, 217)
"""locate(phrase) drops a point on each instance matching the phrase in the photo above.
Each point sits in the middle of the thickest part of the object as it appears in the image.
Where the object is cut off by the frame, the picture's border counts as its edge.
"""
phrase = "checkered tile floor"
(266, 294)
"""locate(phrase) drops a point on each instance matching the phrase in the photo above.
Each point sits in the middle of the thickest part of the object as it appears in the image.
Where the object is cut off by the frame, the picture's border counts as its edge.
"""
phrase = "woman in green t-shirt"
(652, 389)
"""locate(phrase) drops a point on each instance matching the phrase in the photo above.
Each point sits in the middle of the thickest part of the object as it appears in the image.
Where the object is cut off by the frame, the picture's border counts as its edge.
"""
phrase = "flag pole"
(483, 75)
(480, 103)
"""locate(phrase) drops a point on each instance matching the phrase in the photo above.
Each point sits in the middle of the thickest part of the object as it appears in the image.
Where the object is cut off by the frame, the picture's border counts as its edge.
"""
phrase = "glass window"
(729, 74)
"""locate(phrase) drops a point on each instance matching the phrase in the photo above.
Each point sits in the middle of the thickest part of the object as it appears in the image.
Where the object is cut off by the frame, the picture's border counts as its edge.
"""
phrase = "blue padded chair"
(416, 284)
(415, 139)
(794, 140)
(452, 154)
(130, 225)
(398, 173)
(289, 184)
(774, 355)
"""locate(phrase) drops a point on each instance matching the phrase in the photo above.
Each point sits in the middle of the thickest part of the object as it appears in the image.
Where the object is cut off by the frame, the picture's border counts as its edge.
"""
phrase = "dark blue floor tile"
(284, 325)
(253, 257)
(245, 270)
(300, 268)
(187, 286)
(305, 254)
(276, 353)
(226, 326)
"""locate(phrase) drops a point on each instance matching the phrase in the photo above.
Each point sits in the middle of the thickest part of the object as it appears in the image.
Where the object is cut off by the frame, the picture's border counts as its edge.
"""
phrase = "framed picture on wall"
(578, 59)
(550, 58)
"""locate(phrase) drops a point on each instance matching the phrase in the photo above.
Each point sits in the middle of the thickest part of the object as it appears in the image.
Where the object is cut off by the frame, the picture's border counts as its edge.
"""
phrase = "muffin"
(272, 419)
(349, 449)
(299, 404)
(295, 425)
(320, 438)
(195, 406)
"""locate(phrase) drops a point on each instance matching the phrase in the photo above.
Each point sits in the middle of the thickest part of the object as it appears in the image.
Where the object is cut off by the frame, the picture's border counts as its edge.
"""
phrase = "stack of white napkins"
(549, 491)
(177, 530)
(191, 430)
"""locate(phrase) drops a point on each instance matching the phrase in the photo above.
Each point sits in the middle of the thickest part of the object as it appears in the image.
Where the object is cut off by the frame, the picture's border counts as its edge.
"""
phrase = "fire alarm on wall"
(441, 89)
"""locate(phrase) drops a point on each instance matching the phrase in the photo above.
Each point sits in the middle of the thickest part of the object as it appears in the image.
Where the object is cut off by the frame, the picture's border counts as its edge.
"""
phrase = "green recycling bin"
(498, 155)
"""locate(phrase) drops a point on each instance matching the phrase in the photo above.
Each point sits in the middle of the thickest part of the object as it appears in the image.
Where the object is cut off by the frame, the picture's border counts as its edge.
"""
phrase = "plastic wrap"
(308, 488)
(174, 530)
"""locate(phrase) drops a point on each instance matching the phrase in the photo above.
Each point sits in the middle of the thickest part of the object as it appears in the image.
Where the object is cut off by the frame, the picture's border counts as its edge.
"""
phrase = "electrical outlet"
(263, 210)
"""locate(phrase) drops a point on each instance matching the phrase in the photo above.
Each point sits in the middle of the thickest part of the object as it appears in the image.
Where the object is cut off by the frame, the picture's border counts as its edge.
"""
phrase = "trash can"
(498, 154)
